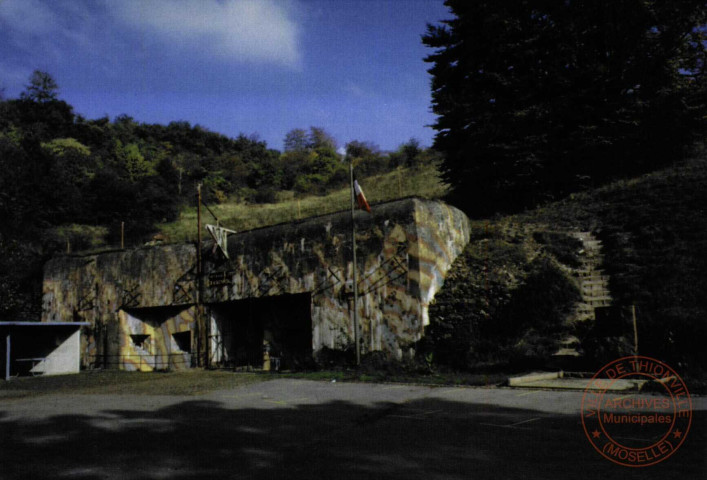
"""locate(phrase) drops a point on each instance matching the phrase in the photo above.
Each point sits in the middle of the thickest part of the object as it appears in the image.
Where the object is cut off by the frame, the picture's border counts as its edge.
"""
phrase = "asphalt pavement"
(288, 428)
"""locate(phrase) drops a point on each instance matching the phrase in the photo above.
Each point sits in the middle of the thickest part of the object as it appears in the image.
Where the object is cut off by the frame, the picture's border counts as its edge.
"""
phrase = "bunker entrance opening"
(262, 333)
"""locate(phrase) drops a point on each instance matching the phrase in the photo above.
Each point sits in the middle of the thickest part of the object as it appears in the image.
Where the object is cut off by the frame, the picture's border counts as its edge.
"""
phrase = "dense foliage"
(654, 237)
(537, 99)
(60, 168)
(499, 306)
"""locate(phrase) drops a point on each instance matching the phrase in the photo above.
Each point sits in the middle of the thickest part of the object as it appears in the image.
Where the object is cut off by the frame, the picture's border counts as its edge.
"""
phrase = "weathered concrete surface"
(64, 359)
(100, 288)
(558, 381)
(160, 349)
(404, 250)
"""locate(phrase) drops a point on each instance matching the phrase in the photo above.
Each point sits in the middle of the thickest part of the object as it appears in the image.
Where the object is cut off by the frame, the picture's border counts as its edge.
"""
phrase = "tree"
(42, 88)
(62, 147)
(366, 157)
(296, 140)
(537, 99)
(360, 149)
(408, 154)
(321, 139)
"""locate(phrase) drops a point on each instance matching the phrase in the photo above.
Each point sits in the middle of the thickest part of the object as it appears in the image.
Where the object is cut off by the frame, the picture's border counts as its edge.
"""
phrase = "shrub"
(497, 308)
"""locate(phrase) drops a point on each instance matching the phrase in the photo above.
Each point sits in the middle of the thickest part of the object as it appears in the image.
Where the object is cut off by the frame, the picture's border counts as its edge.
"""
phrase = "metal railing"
(171, 361)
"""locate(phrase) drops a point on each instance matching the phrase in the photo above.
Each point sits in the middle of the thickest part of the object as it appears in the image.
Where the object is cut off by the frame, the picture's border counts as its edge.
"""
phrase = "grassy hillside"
(654, 234)
(422, 181)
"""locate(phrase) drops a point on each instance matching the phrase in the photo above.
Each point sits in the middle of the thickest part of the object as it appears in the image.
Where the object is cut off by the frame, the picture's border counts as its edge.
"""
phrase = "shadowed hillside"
(654, 234)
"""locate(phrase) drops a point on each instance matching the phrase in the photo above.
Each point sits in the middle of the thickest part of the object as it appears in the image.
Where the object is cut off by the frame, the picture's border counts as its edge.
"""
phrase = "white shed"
(46, 348)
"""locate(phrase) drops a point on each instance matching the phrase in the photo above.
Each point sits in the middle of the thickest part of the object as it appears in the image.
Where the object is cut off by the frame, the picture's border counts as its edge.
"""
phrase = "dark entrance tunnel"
(243, 329)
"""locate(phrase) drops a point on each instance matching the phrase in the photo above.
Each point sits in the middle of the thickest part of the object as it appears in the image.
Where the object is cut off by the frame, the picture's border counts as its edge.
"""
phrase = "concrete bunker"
(289, 285)
(156, 338)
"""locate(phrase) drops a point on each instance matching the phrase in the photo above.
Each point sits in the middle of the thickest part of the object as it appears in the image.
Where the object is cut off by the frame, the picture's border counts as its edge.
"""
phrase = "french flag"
(361, 198)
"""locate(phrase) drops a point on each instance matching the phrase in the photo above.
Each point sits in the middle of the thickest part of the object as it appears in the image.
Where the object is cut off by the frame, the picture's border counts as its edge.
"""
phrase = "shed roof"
(44, 324)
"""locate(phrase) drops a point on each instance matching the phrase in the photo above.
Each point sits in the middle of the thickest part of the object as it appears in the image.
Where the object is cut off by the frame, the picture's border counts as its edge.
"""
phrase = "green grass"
(420, 181)
(113, 382)
(383, 376)
(198, 381)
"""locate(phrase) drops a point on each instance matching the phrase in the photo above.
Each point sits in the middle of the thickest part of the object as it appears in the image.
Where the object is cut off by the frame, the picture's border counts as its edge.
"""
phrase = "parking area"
(288, 428)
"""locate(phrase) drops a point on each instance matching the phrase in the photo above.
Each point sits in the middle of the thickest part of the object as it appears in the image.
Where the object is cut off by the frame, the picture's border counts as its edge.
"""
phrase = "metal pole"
(357, 338)
(635, 330)
(122, 235)
(7, 356)
(200, 317)
(198, 243)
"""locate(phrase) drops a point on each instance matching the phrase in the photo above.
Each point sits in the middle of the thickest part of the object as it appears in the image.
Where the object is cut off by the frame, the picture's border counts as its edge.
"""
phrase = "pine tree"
(42, 88)
(536, 99)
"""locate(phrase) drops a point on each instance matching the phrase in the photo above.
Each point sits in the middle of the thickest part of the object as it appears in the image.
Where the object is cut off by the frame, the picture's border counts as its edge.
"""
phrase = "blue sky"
(353, 67)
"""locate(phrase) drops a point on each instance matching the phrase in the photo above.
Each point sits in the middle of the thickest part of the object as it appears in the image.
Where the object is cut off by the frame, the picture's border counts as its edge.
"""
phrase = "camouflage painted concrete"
(102, 288)
(137, 300)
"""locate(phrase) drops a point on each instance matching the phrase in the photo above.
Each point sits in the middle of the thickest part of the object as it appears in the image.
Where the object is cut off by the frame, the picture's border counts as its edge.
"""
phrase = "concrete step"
(592, 282)
(570, 342)
(583, 235)
(601, 303)
(594, 298)
(606, 300)
(593, 243)
(595, 295)
(589, 272)
(596, 290)
(560, 382)
(566, 352)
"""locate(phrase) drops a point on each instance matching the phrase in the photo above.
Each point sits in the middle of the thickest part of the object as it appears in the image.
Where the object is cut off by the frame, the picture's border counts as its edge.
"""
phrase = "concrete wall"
(404, 250)
(64, 359)
(160, 349)
(98, 287)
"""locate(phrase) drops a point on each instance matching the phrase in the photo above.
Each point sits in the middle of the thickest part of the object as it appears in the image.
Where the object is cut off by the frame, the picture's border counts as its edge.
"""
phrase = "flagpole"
(203, 338)
(357, 340)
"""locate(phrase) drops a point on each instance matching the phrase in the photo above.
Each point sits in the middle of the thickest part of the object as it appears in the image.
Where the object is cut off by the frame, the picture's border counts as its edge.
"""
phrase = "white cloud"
(28, 16)
(260, 31)
(355, 90)
(39, 33)
(12, 76)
